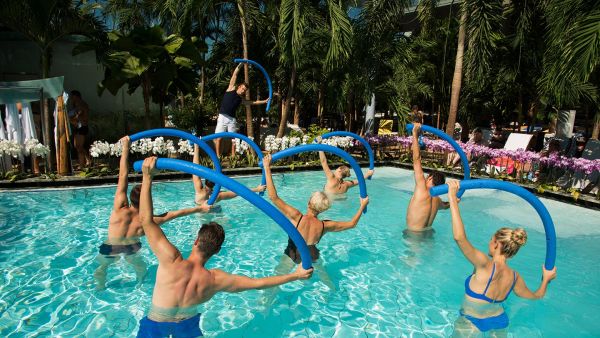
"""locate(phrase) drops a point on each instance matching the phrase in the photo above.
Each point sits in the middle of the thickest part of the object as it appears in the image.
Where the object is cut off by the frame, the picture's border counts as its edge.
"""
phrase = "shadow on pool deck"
(78, 181)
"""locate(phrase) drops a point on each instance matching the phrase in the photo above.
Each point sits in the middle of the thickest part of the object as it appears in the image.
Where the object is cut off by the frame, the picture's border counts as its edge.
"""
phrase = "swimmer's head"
(342, 172)
(318, 202)
(241, 88)
(210, 238)
(209, 185)
(435, 178)
(134, 196)
(507, 241)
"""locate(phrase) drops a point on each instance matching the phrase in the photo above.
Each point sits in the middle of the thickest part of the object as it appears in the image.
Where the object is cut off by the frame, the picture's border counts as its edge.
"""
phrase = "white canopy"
(27, 122)
(14, 129)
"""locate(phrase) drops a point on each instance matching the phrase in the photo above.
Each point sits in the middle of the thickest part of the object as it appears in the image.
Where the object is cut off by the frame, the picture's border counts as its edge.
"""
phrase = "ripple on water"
(384, 283)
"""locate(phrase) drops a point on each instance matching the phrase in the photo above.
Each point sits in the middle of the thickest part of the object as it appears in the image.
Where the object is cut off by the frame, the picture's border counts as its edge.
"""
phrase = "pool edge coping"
(80, 182)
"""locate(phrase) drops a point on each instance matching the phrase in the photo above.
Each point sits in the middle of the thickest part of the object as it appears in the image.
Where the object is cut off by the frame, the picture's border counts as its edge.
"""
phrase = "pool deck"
(586, 201)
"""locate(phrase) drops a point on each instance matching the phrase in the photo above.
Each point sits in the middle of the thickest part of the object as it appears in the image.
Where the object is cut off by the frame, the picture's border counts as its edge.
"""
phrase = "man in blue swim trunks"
(124, 227)
(184, 283)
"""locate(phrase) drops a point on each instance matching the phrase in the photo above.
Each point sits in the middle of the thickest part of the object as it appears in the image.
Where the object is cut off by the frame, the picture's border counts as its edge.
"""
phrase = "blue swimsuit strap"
(511, 287)
(489, 281)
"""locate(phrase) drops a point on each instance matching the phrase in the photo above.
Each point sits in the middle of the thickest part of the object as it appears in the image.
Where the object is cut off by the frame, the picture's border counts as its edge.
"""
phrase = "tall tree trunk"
(320, 103)
(596, 130)
(287, 102)
(297, 112)
(146, 94)
(64, 166)
(457, 78)
(241, 8)
(48, 121)
(350, 111)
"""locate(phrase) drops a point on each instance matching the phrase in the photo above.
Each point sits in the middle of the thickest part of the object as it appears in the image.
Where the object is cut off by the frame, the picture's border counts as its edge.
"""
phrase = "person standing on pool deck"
(203, 191)
(231, 101)
(124, 227)
(184, 283)
(336, 185)
(309, 225)
(79, 121)
(422, 208)
(492, 280)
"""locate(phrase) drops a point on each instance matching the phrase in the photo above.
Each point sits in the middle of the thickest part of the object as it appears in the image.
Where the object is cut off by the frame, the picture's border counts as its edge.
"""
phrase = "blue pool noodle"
(457, 148)
(356, 137)
(246, 139)
(186, 136)
(244, 192)
(328, 149)
(257, 65)
(524, 194)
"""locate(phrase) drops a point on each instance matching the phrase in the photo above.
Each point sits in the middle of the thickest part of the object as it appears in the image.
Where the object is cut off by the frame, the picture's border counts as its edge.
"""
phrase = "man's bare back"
(183, 283)
(422, 208)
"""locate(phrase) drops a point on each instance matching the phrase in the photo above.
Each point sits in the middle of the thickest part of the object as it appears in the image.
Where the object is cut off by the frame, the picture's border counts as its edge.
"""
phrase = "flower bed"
(519, 165)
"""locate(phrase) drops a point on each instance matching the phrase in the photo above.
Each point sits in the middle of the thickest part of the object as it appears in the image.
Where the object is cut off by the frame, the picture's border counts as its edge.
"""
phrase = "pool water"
(385, 285)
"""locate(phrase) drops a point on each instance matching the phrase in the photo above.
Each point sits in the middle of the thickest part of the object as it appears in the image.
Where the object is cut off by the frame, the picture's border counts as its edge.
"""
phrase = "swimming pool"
(385, 285)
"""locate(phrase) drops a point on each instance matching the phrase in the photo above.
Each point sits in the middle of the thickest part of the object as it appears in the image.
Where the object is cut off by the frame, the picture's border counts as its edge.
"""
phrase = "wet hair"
(210, 238)
(511, 239)
(345, 171)
(438, 178)
(319, 202)
(243, 84)
(76, 93)
(209, 184)
(134, 195)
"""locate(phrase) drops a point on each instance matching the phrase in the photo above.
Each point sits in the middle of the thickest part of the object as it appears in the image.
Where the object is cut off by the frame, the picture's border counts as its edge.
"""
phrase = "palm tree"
(303, 24)
(573, 53)
(44, 22)
(457, 77)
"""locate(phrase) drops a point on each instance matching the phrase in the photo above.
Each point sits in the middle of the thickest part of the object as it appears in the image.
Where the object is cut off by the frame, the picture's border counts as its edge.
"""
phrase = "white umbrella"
(14, 131)
(2, 131)
(27, 122)
(5, 161)
(13, 124)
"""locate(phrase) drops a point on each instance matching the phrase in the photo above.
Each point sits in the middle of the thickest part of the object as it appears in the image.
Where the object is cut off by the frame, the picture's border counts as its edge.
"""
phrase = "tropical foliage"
(472, 60)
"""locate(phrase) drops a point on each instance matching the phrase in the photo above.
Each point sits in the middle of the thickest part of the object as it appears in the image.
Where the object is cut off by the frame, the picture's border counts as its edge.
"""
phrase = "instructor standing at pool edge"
(231, 101)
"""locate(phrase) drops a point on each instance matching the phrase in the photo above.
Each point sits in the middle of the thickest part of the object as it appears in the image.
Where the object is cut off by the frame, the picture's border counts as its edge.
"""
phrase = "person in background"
(476, 138)
(336, 186)
(79, 118)
(232, 99)
(416, 115)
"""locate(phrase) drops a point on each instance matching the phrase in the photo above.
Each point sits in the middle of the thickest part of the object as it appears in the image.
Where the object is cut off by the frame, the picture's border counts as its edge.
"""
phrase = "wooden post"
(62, 130)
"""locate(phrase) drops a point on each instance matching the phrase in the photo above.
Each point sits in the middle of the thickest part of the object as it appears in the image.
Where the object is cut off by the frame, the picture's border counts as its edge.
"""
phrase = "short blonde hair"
(345, 171)
(511, 239)
(319, 202)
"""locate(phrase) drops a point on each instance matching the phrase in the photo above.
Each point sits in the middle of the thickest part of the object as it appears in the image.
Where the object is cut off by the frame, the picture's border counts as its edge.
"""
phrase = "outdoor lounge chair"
(589, 184)
(515, 141)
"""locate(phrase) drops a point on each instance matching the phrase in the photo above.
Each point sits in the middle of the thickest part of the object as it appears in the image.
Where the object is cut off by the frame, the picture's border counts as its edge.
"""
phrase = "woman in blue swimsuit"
(492, 280)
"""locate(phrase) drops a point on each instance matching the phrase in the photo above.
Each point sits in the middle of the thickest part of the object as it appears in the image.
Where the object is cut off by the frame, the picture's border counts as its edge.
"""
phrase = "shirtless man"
(203, 191)
(184, 283)
(336, 186)
(422, 208)
(124, 227)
